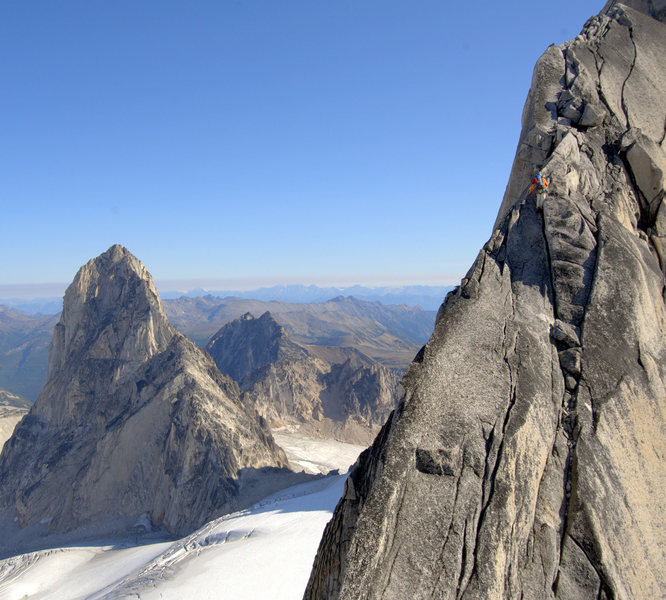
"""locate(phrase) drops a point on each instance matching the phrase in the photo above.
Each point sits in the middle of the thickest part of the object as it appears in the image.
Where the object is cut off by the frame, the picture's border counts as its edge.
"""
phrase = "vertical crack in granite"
(631, 70)
(489, 478)
(446, 541)
(393, 551)
(465, 573)
(529, 442)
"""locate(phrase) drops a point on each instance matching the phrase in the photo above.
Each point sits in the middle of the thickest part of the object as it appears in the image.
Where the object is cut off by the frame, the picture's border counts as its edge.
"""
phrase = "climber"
(540, 183)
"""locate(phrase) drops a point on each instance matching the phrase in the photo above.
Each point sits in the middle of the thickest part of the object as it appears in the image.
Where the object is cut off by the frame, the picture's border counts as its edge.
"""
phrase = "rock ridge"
(250, 344)
(526, 457)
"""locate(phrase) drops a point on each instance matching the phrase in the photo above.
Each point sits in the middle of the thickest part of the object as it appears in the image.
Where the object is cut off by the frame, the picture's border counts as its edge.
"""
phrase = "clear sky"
(263, 141)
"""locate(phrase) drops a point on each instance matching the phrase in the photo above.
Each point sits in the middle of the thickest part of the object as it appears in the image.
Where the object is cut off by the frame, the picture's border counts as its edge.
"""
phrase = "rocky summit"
(527, 457)
(134, 420)
(327, 392)
(247, 344)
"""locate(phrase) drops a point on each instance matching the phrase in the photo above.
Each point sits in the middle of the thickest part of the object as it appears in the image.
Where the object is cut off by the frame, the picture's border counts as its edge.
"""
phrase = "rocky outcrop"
(247, 344)
(133, 419)
(526, 459)
(360, 389)
(288, 384)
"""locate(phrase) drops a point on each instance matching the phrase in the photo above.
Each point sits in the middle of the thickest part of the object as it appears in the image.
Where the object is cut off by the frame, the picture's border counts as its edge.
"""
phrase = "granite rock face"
(133, 419)
(247, 344)
(527, 457)
(288, 384)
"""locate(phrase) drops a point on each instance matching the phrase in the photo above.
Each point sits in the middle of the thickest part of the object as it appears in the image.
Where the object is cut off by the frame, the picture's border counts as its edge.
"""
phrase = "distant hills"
(390, 334)
(428, 297)
(34, 306)
(24, 347)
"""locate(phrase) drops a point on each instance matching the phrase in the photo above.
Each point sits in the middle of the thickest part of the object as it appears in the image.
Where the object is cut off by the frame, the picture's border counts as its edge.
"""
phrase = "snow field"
(265, 552)
(71, 572)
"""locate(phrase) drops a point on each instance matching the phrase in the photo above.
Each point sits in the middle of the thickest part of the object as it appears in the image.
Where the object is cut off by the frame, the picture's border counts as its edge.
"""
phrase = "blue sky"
(267, 141)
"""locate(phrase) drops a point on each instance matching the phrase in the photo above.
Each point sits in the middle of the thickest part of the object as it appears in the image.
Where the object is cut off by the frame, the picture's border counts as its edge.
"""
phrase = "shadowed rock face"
(134, 418)
(526, 459)
(247, 344)
(288, 384)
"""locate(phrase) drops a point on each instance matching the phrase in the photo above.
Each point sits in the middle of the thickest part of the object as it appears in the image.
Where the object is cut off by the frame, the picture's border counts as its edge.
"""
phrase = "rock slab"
(527, 457)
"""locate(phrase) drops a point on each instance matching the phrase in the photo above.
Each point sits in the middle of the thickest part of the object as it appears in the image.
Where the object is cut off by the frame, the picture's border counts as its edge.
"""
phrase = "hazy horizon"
(185, 286)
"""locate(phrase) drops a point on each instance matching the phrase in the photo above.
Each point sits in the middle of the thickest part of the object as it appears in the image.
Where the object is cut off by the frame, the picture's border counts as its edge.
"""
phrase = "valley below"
(265, 551)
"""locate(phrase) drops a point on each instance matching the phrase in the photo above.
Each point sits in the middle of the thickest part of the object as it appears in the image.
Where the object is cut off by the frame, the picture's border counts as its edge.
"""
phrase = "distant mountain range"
(391, 335)
(427, 297)
(34, 306)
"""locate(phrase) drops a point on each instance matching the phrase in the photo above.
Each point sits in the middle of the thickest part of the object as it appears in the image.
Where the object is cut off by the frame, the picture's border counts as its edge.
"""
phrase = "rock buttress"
(526, 459)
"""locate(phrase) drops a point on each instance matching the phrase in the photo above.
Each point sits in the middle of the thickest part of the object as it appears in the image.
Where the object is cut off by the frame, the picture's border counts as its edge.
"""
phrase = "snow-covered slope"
(266, 552)
(262, 552)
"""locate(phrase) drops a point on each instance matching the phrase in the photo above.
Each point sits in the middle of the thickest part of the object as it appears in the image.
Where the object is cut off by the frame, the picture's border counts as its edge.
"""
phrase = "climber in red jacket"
(540, 183)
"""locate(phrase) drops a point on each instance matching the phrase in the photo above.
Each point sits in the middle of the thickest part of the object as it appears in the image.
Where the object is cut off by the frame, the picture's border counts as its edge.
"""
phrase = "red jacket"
(535, 183)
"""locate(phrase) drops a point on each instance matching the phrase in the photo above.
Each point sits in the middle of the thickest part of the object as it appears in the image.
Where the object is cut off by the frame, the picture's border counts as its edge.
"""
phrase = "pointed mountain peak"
(116, 253)
(117, 263)
(531, 420)
(246, 344)
(268, 322)
(110, 311)
(133, 419)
